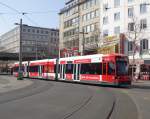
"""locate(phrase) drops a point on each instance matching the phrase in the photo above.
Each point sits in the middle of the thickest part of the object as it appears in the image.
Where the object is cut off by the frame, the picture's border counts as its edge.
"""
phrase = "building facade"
(129, 17)
(86, 24)
(78, 20)
(37, 42)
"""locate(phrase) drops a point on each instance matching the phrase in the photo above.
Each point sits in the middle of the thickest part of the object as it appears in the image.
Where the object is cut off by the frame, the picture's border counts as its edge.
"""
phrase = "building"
(37, 42)
(129, 17)
(114, 44)
(77, 24)
(86, 24)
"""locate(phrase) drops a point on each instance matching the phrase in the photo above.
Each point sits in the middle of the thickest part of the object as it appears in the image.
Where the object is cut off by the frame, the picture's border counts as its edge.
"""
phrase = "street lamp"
(83, 41)
(57, 63)
(20, 52)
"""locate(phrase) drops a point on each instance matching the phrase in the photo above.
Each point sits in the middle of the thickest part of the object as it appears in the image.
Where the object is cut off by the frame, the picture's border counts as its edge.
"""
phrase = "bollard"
(20, 76)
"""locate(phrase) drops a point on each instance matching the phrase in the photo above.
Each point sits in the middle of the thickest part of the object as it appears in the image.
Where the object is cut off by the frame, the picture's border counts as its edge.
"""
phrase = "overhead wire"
(13, 9)
(18, 12)
(29, 19)
(30, 12)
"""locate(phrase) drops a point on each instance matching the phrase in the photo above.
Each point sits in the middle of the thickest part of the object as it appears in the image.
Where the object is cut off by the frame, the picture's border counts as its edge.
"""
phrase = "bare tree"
(135, 34)
(97, 36)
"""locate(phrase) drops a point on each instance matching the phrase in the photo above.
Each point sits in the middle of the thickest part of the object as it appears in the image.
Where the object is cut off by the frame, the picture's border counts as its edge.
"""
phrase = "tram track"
(19, 94)
(78, 108)
(85, 103)
(111, 111)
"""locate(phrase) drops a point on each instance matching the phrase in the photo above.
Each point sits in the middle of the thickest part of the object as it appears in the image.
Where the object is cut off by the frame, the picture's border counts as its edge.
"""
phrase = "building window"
(88, 29)
(84, 6)
(46, 32)
(87, 40)
(130, 46)
(105, 20)
(116, 3)
(117, 16)
(105, 7)
(144, 44)
(105, 33)
(131, 26)
(130, 0)
(42, 31)
(143, 8)
(84, 17)
(28, 30)
(96, 2)
(92, 27)
(117, 30)
(88, 16)
(37, 31)
(85, 29)
(24, 30)
(92, 39)
(33, 30)
(92, 14)
(96, 13)
(88, 5)
(130, 12)
(143, 23)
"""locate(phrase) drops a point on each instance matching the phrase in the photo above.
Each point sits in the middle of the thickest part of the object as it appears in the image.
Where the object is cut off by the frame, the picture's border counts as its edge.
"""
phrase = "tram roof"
(73, 58)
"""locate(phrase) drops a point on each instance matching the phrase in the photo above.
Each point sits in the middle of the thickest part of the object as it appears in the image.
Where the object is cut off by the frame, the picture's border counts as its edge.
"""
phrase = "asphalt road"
(140, 94)
(57, 100)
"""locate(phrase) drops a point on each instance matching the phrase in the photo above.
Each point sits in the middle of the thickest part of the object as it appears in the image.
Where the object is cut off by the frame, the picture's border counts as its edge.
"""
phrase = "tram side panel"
(24, 69)
(80, 70)
(42, 69)
(108, 69)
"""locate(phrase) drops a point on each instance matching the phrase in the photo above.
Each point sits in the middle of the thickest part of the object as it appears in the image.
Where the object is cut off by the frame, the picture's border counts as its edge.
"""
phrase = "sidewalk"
(9, 83)
(143, 83)
(140, 94)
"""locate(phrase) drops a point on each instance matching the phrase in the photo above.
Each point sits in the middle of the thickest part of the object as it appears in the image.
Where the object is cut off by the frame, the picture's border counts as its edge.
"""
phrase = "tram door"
(77, 68)
(104, 73)
(25, 70)
(62, 71)
(40, 69)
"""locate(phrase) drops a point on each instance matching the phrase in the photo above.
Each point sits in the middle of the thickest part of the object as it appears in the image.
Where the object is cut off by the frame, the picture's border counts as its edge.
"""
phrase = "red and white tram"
(98, 68)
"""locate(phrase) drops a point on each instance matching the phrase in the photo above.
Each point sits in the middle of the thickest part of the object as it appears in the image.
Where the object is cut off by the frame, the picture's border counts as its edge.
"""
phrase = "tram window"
(91, 68)
(69, 68)
(58, 68)
(104, 69)
(27, 68)
(48, 69)
(111, 68)
(33, 69)
(15, 69)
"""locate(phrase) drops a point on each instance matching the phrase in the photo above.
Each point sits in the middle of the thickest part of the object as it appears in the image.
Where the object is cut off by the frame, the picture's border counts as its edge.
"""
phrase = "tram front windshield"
(122, 68)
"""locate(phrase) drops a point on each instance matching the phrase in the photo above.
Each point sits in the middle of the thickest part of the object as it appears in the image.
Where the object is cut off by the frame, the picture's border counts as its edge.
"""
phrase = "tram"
(105, 69)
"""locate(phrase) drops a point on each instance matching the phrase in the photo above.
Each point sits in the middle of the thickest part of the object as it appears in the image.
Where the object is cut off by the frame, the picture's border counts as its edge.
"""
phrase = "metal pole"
(134, 51)
(57, 64)
(20, 53)
(36, 50)
(83, 42)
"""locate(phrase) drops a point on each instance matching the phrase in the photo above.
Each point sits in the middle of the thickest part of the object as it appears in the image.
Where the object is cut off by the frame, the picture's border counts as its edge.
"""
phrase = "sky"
(42, 13)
